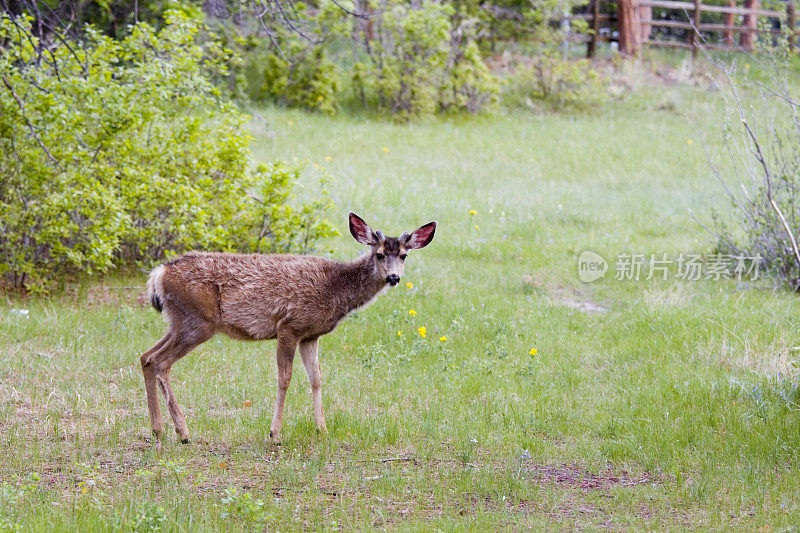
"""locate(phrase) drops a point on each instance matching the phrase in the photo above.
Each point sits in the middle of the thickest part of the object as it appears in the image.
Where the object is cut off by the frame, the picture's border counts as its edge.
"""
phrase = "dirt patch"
(585, 306)
(573, 475)
(580, 299)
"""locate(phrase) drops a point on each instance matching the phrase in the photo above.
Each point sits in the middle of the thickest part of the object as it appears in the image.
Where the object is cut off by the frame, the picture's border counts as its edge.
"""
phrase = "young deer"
(293, 298)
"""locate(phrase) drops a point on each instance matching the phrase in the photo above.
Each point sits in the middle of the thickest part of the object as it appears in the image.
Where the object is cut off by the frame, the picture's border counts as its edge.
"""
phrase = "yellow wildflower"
(476, 226)
(410, 285)
(399, 333)
(473, 212)
(291, 123)
(385, 149)
(533, 351)
(412, 312)
(422, 331)
(442, 338)
(327, 158)
(689, 141)
(319, 98)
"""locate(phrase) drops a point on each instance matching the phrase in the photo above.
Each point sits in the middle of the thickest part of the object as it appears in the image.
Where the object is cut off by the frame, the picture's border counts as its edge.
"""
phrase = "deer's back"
(252, 296)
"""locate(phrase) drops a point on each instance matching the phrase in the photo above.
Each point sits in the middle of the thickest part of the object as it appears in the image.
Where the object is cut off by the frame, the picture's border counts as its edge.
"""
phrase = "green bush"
(550, 81)
(278, 226)
(291, 68)
(468, 83)
(115, 152)
(415, 63)
(300, 75)
(549, 78)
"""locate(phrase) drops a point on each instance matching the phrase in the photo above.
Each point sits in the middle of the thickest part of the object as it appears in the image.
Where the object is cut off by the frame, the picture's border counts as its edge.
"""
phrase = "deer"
(292, 298)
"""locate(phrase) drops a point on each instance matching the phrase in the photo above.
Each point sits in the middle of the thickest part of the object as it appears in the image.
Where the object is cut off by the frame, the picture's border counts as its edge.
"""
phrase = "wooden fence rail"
(633, 23)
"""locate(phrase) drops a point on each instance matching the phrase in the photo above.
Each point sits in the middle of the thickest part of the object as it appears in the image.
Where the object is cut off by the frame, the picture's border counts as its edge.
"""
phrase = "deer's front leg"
(285, 355)
(309, 352)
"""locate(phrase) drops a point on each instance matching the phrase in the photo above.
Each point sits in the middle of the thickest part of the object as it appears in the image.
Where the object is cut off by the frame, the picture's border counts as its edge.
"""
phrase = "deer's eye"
(403, 257)
(379, 256)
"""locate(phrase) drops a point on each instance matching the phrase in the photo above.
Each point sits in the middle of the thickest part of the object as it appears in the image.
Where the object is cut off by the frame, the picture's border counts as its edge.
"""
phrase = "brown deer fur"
(294, 299)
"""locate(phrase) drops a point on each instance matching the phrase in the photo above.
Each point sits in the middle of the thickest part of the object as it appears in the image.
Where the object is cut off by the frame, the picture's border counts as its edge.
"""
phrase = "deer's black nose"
(392, 279)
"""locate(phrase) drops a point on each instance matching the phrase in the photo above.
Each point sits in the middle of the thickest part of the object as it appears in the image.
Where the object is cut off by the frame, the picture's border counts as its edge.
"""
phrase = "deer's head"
(389, 253)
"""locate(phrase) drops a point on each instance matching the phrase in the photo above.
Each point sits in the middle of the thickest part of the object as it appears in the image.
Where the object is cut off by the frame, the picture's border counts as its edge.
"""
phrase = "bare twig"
(768, 180)
(349, 12)
(767, 221)
(389, 460)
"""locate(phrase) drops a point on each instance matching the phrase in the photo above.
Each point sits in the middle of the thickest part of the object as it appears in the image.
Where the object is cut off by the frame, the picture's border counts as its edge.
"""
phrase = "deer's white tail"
(155, 291)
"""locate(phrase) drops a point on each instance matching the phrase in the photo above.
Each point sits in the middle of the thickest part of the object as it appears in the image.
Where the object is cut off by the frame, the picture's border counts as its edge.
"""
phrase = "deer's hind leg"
(150, 385)
(309, 352)
(177, 344)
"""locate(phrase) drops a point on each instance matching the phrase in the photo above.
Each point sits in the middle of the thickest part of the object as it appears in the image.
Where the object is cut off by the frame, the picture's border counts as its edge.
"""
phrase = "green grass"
(672, 410)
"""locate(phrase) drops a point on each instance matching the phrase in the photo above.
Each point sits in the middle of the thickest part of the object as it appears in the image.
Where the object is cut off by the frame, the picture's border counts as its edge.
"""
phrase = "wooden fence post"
(694, 41)
(630, 31)
(751, 24)
(791, 20)
(591, 50)
(728, 20)
(646, 17)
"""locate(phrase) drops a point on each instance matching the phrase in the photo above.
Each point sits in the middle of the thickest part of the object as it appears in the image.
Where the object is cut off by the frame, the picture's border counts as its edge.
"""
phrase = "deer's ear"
(422, 236)
(361, 231)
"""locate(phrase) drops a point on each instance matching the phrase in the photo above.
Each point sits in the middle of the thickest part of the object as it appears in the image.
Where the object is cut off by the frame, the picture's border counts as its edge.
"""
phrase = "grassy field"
(534, 401)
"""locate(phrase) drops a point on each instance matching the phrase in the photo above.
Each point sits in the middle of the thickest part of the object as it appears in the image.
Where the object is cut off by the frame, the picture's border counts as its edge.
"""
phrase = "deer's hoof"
(275, 438)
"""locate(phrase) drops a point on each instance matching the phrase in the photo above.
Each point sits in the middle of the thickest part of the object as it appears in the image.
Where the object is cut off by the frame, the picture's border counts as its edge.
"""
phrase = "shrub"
(292, 68)
(762, 153)
(551, 81)
(415, 63)
(126, 152)
(549, 78)
(275, 224)
(467, 82)
(299, 75)
(404, 58)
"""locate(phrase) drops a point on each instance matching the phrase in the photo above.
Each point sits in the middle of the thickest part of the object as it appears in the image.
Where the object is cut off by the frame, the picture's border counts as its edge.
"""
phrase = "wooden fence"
(681, 24)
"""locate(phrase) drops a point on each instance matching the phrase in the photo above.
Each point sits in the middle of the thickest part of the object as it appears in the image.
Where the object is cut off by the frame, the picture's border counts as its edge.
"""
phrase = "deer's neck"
(355, 284)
